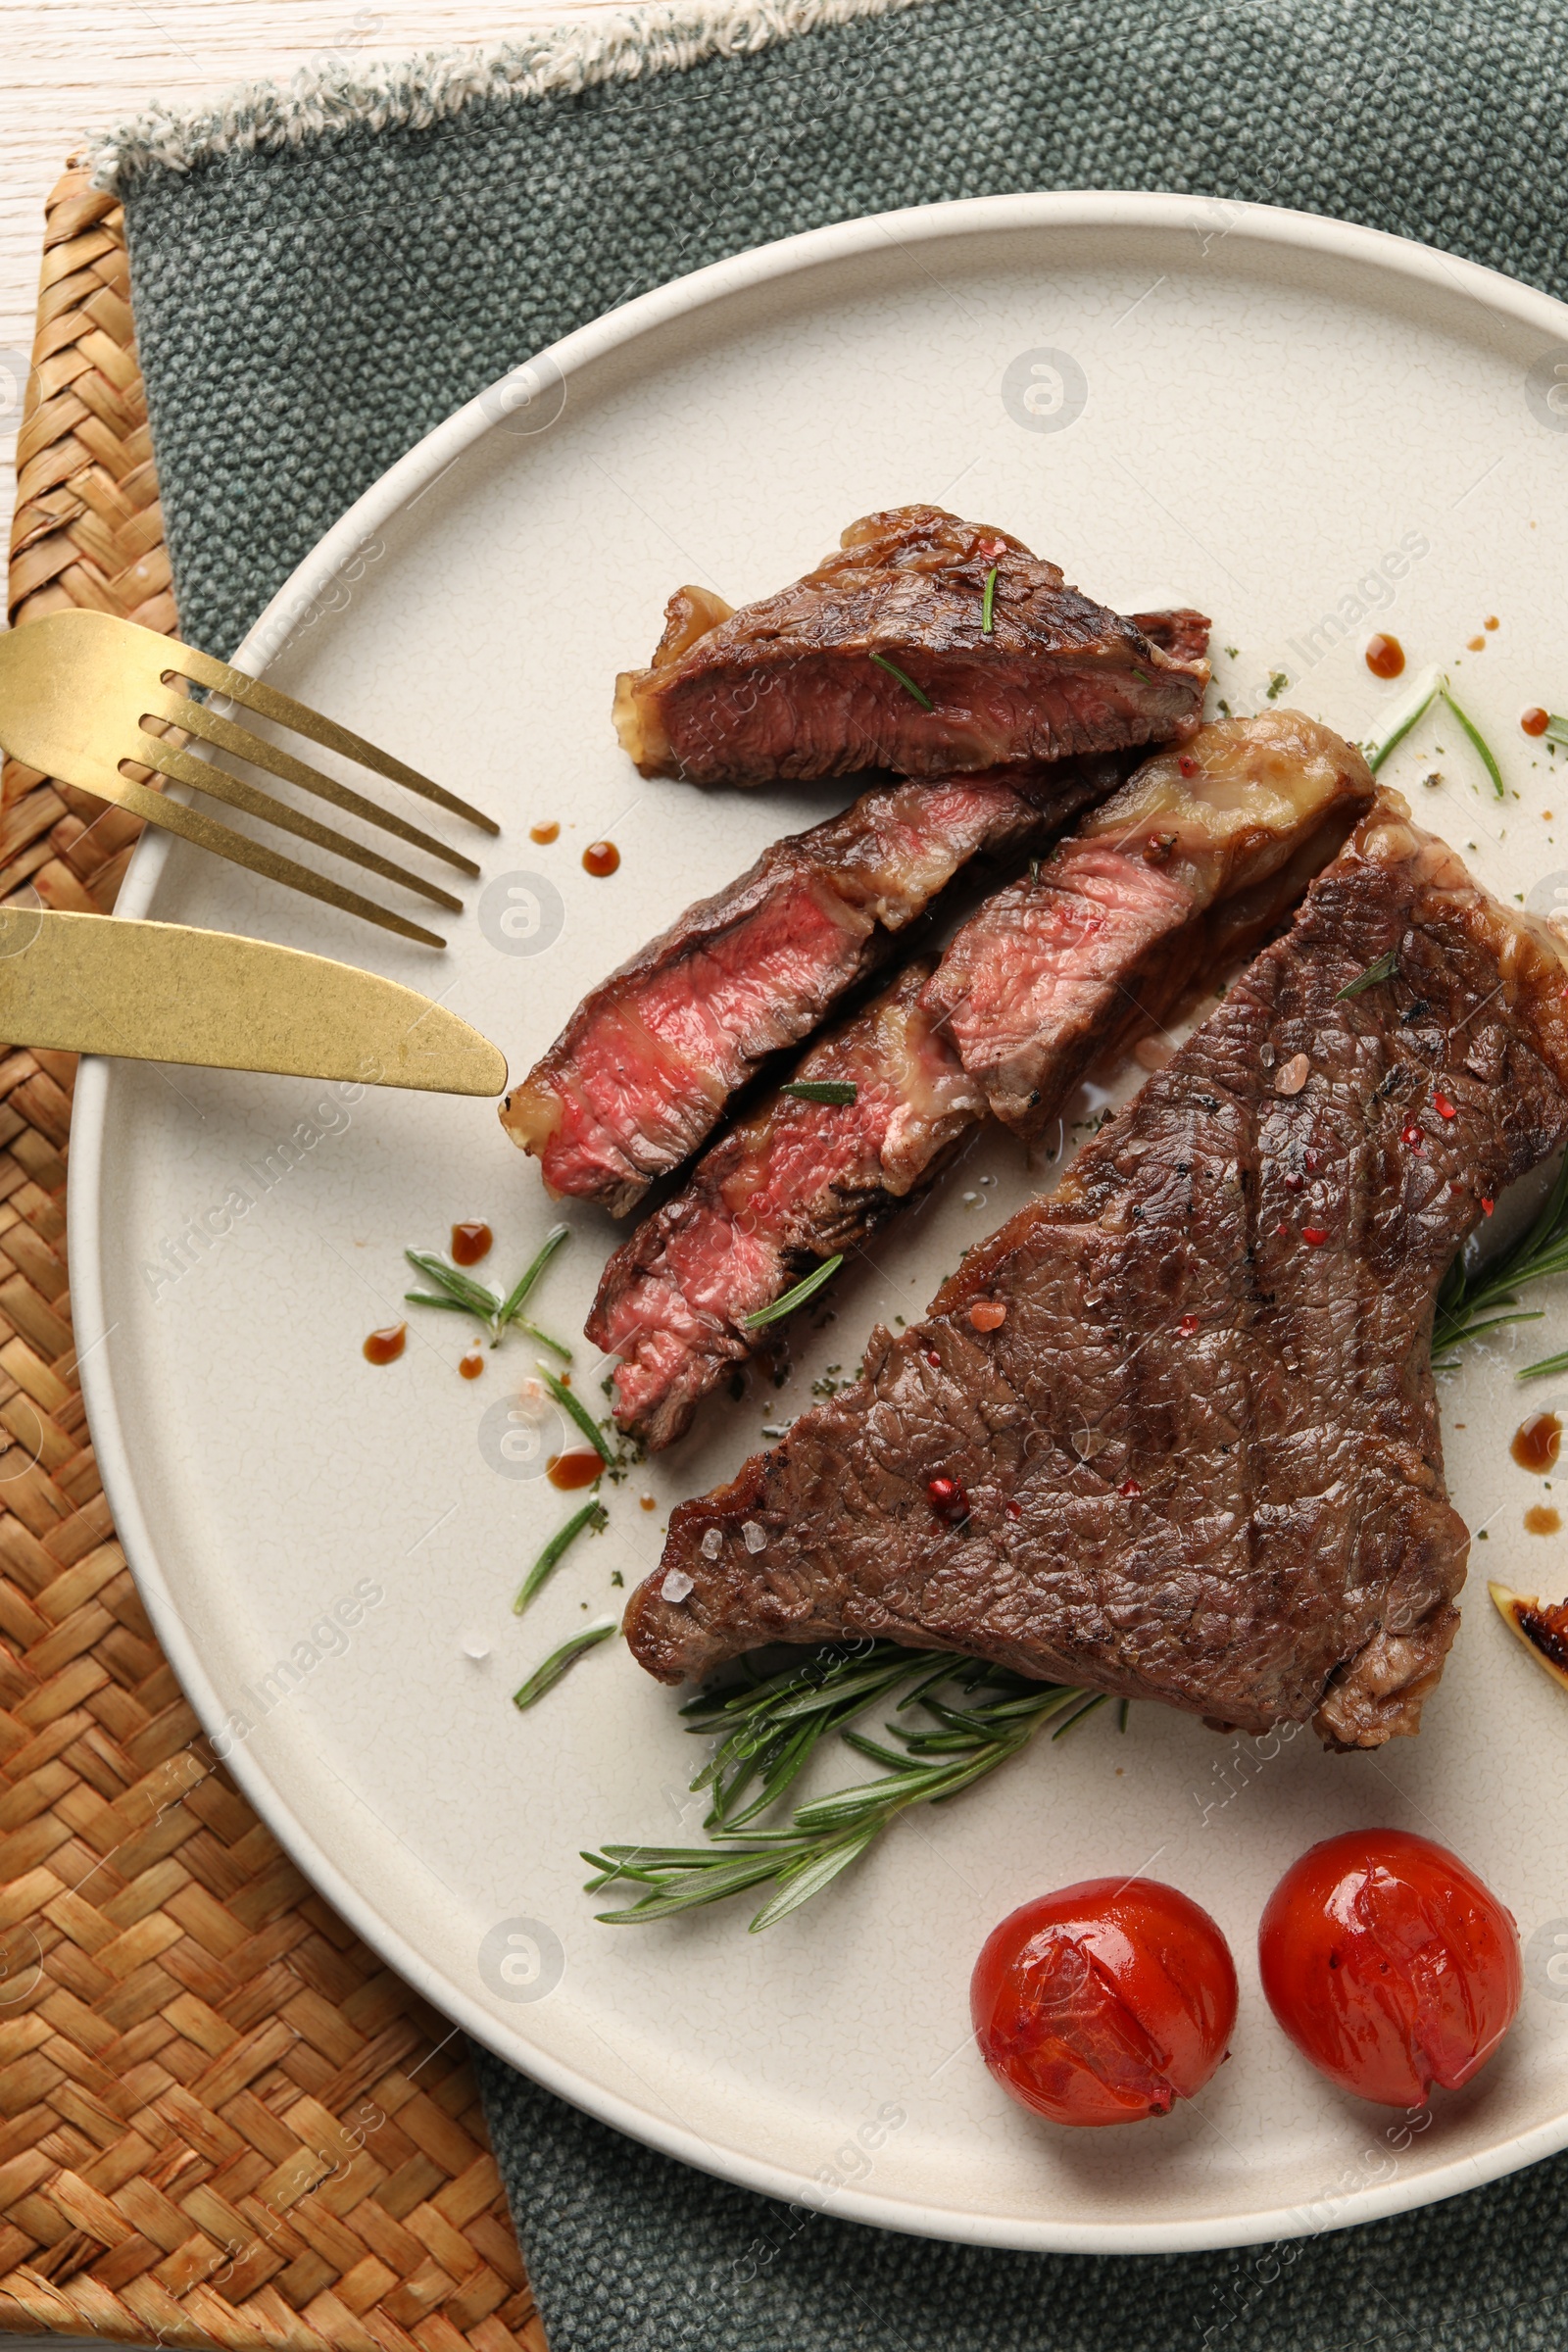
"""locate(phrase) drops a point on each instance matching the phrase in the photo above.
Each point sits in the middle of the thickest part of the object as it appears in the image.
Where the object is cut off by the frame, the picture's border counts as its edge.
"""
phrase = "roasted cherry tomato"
(1105, 2002)
(1390, 1965)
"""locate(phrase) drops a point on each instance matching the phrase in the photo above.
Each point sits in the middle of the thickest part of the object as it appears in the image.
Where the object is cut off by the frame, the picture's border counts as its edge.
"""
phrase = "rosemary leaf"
(1410, 712)
(525, 1281)
(592, 1514)
(1383, 969)
(579, 1412)
(809, 1876)
(545, 1678)
(894, 671)
(1477, 738)
(988, 609)
(806, 1289)
(458, 1286)
(820, 1089)
(1557, 729)
(558, 1346)
(1549, 1364)
(431, 1299)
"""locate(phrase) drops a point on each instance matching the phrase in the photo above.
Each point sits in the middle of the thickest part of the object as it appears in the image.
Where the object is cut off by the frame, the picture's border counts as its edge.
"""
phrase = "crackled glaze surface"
(1277, 419)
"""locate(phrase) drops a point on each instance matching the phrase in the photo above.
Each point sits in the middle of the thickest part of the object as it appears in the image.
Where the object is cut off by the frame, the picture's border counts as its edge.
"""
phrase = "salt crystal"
(971, 1200)
(1293, 1076)
(677, 1584)
(752, 1537)
(475, 1648)
(713, 1544)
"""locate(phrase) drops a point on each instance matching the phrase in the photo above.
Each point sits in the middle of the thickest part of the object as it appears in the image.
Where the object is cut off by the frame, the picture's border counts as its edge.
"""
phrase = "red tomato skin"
(1390, 1965)
(1105, 2002)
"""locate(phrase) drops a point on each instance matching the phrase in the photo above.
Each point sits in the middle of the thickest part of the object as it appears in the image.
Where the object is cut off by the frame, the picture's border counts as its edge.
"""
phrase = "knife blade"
(167, 991)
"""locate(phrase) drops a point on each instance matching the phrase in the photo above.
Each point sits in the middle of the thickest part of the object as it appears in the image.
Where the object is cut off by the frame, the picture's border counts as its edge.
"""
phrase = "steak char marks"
(798, 685)
(1200, 1461)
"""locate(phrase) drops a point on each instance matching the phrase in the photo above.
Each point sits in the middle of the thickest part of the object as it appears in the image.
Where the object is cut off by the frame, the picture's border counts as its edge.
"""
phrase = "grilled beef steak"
(645, 1067)
(1158, 888)
(1109, 931)
(880, 659)
(785, 1189)
(1198, 1460)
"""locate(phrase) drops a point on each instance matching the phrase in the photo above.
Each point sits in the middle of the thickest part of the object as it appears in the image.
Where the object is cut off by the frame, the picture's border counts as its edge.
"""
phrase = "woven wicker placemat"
(223, 2121)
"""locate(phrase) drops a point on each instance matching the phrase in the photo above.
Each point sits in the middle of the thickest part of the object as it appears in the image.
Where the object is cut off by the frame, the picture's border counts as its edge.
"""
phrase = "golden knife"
(165, 991)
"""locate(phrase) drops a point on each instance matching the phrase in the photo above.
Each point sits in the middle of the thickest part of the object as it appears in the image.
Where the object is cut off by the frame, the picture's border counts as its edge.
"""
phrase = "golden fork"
(76, 690)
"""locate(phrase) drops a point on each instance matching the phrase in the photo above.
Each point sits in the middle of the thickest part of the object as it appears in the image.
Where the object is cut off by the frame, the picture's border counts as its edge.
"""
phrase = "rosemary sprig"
(988, 609)
(894, 671)
(821, 1090)
(579, 1412)
(805, 1288)
(545, 1678)
(1464, 1299)
(592, 1514)
(769, 1734)
(461, 1293)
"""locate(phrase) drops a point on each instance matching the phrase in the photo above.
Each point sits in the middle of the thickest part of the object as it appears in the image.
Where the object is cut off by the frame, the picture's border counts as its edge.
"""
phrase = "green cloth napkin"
(321, 276)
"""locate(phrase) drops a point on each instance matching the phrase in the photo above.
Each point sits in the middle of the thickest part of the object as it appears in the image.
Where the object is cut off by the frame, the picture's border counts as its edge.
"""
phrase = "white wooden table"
(69, 68)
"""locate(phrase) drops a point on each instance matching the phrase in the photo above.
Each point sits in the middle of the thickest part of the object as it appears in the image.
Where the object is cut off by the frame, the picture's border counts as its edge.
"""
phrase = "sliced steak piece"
(645, 1067)
(784, 1190)
(1107, 933)
(1199, 1459)
(1157, 889)
(880, 659)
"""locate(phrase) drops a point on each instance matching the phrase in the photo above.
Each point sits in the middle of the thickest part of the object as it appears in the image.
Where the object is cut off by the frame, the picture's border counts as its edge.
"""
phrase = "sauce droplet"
(1542, 1520)
(385, 1345)
(647, 1501)
(544, 834)
(568, 1470)
(1491, 622)
(470, 1241)
(1536, 1443)
(1535, 720)
(471, 1366)
(600, 858)
(1475, 645)
(1385, 656)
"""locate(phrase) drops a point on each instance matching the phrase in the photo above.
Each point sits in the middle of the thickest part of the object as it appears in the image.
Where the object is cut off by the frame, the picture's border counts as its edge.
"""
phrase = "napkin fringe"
(338, 94)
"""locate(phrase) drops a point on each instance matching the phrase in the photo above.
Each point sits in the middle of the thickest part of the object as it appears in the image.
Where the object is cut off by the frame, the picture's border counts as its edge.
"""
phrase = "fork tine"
(268, 703)
(198, 718)
(184, 767)
(221, 840)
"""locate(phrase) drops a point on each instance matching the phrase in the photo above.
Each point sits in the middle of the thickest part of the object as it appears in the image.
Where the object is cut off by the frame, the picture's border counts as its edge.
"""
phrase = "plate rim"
(317, 574)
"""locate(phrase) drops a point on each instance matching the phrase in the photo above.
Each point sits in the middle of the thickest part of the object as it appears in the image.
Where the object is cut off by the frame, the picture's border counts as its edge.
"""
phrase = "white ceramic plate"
(1308, 430)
